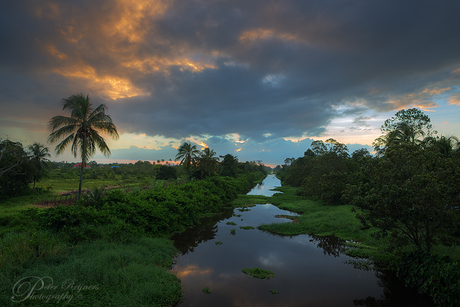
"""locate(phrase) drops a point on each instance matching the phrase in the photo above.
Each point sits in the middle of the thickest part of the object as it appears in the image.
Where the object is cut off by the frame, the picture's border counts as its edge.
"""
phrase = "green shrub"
(432, 274)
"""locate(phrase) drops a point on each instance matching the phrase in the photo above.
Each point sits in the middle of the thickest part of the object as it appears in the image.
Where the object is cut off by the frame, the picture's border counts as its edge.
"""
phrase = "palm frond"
(63, 145)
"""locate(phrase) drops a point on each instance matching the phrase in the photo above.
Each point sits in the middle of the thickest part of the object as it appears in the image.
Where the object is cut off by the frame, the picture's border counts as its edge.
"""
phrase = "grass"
(246, 227)
(97, 273)
(61, 185)
(207, 290)
(317, 219)
(258, 273)
(231, 223)
(273, 291)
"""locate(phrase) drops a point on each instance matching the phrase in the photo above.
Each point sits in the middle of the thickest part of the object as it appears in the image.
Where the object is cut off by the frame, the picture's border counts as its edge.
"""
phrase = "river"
(309, 271)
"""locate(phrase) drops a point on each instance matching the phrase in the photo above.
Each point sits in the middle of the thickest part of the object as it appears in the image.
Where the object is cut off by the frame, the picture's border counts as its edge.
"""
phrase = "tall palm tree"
(82, 130)
(39, 155)
(188, 155)
(207, 162)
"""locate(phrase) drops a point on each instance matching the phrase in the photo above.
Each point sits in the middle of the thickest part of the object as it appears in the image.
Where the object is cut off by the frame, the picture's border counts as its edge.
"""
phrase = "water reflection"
(331, 246)
(186, 241)
(309, 270)
(395, 294)
(265, 188)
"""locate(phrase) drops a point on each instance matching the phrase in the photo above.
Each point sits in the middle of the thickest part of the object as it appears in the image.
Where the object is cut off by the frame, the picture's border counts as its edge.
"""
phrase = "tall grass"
(99, 273)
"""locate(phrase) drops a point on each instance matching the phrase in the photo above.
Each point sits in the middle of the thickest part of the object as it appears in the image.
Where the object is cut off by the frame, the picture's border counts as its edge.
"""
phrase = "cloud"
(454, 99)
(263, 70)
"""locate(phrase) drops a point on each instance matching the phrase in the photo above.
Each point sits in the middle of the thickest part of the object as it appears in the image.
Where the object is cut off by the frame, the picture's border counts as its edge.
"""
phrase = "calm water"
(309, 271)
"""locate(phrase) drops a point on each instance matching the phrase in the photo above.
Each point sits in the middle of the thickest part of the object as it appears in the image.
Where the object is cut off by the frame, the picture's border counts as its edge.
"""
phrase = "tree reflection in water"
(186, 241)
(395, 294)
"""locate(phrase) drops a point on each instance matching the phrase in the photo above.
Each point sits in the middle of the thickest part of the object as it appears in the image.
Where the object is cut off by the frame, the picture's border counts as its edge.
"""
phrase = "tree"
(330, 146)
(15, 169)
(82, 130)
(447, 146)
(187, 155)
(407, 126)
(411, 194)
(5, 148)
(207, 162)
(39, 155)
(229, 166)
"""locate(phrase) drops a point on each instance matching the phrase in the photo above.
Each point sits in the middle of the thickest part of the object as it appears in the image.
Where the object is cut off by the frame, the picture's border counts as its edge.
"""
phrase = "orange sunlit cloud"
(454, 100)
(109, 36)
(436, 91)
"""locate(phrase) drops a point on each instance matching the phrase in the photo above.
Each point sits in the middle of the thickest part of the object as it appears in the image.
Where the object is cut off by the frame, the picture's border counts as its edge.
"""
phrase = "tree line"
(83, 131)
(408, 189)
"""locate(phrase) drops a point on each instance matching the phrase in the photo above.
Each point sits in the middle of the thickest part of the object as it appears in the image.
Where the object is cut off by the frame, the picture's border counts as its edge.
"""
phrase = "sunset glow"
(261, 80)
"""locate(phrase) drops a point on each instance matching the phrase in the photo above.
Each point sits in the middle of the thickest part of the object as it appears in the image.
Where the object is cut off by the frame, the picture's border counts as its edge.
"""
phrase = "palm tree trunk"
(81, 180)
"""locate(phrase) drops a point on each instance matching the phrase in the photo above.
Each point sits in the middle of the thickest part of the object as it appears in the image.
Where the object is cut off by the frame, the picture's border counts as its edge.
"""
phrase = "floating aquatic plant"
(258, 273)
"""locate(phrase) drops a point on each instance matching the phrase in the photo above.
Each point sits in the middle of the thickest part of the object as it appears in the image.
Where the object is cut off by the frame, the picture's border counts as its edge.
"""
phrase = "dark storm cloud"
(180, 68)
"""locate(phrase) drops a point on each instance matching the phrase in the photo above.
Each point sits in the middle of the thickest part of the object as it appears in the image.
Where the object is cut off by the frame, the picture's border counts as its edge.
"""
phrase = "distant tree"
(82, 130)
(5, 148)
(39, 155)
(330, 146)
(187, 155)
(407, 126)
(309, 153)
(207, 162)
(166, 172)
(229, 166)
(16, 169)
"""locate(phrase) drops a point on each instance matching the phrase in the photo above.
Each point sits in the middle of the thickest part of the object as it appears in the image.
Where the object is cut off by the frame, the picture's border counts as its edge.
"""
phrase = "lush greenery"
(17, 169)
(258, 273)
(89, 274)
(128, 227)
(405, 197)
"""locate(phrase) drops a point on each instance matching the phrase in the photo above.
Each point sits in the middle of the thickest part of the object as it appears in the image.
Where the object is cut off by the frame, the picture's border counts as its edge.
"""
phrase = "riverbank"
(110, 251)
(317, 219)
(436, 274)
(340, 221)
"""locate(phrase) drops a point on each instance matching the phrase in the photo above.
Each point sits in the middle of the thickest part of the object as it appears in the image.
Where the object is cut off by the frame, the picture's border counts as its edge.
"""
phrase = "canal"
(309, 271)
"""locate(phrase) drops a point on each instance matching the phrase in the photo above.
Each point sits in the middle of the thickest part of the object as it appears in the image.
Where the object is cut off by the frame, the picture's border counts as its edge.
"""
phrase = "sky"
(257, 79)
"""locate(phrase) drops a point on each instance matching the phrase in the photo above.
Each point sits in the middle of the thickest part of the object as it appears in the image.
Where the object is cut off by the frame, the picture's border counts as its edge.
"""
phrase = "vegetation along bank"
(399, 207)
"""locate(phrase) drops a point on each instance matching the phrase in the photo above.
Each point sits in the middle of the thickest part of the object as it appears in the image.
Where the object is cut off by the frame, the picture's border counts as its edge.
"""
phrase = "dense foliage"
(155, 212)
(410, 190)
(434, 275)
(17, 170)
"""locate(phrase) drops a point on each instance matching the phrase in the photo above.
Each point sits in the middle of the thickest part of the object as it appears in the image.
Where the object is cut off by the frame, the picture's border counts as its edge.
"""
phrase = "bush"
(432, 274)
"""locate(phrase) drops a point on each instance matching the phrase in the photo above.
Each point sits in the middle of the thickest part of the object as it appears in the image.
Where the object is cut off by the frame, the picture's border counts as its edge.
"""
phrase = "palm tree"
(207, 161)
(188, 155)
(446, 145)
(39, 155)
(82, 130)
